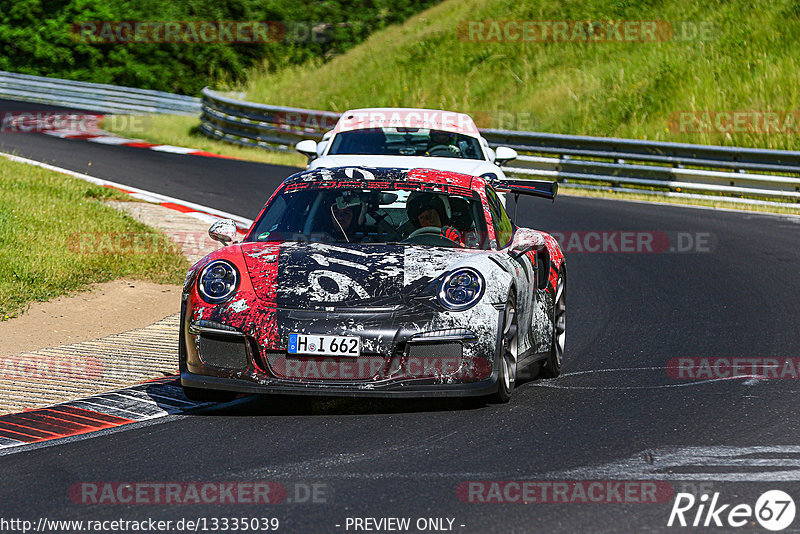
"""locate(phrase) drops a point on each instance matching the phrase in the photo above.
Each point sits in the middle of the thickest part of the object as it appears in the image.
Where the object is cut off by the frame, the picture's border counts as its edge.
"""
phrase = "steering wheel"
(446, 150)
(425, 230)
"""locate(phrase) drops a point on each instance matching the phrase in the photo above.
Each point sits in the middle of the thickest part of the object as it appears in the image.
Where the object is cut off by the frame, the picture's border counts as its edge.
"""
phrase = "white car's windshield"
(406, 142)
(373, 216)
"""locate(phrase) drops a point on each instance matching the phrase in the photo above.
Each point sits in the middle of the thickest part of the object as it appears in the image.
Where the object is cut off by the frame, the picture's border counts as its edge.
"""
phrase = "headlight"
(218, 281)
(461, 289)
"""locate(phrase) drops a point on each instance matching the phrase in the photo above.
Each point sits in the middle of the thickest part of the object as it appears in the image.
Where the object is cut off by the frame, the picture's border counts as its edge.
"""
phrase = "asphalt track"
(239, 187)
(615, 414)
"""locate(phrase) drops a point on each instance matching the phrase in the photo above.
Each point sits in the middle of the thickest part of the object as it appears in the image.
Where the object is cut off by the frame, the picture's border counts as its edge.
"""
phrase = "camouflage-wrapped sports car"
(376, 282)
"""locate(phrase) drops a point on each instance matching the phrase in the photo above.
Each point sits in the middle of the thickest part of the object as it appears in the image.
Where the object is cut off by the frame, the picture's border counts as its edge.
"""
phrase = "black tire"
(552, 366)
(208, 395)
(508, 352)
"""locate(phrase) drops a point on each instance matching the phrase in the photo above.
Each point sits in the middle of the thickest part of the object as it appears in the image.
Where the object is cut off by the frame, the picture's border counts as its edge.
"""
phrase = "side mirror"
(223, 231)
(504, 154)
(307, 147)
(524, 241)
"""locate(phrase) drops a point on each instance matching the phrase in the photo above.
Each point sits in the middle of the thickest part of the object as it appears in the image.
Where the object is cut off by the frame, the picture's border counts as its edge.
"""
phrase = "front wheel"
(508, 352)
(552, 366)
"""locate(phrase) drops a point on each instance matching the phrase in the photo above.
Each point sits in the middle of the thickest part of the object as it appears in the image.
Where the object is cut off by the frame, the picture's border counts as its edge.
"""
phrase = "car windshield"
(406, 142)
(373, 216)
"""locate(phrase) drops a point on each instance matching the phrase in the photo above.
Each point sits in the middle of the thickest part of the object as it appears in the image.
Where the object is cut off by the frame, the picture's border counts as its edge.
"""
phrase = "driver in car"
(345, 210)
(426, 210)
(342, 219)
(442, 143)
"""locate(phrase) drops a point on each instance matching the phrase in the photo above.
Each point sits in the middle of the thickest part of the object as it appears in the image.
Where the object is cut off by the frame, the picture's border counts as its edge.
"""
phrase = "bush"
(37, 37)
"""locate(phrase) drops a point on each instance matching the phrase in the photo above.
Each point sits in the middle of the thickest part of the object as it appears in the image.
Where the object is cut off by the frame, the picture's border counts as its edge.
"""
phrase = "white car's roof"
(451, 121)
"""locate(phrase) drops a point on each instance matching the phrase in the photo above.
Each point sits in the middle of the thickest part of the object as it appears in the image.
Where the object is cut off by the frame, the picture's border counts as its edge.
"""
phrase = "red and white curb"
(150, 400)
(198, 211)
(106, 139)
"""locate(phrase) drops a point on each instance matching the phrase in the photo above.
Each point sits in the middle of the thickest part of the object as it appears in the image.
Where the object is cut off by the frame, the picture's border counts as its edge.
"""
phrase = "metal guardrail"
(261, 125)
(94, 96)
(730, 171)
(675, 166)
(618, 163)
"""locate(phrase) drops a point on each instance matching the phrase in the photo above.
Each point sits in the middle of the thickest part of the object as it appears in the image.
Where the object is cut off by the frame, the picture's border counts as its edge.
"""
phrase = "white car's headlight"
(461, 289)
(218, 281)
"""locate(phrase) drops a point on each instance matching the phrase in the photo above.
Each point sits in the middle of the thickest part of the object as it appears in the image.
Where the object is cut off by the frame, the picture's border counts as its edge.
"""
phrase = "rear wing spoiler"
(536, 188)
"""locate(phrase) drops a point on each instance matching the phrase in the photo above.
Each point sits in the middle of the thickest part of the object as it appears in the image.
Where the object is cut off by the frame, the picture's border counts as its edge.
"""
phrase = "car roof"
(351, 175)
(438, 119)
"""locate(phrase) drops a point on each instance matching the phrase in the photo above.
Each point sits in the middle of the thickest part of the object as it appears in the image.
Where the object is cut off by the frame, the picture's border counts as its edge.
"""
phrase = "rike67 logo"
(774, 510)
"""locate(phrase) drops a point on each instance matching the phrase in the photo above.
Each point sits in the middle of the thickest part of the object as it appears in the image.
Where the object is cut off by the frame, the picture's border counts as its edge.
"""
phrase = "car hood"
(311, 275)
(474, 167)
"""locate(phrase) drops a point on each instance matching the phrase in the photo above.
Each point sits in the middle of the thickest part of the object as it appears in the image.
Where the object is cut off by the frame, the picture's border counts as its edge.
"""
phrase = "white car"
(407, 138)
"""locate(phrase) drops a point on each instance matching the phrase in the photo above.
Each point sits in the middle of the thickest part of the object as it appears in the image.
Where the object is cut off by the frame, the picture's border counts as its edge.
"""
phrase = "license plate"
(324, 345)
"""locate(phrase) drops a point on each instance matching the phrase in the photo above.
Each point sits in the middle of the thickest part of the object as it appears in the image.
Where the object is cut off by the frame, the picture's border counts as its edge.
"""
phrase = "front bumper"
(397, 360)
(397, 389)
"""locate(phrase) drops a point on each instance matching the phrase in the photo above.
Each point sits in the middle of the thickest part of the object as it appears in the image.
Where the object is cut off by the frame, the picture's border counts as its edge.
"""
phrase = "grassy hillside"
(749, 62)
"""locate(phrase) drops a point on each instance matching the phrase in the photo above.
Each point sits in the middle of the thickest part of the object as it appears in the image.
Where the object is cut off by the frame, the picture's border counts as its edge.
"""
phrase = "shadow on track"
(287, 405)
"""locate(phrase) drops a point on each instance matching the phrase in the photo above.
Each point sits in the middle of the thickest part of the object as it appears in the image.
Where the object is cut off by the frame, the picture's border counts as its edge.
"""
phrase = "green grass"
(57, 236)
(181, 130)
(606, 89)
